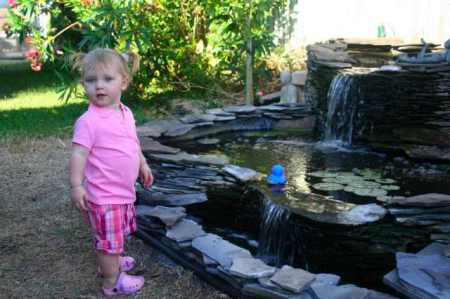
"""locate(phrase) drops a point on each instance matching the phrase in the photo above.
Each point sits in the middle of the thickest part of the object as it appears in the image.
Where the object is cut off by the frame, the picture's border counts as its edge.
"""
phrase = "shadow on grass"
(18, 77)
(40, 121)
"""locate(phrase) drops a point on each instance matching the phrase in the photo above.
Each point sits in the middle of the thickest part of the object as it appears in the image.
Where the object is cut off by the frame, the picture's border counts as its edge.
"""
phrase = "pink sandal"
(126, 263)
(125, 285)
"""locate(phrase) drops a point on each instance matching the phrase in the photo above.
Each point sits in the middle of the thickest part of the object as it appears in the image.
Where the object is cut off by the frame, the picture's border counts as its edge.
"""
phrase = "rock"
(196, 159)
(251, 268)
(219, 249)
(219, 111)
(348, 291)
(299, 78)
(149, 145)
(254, 290)
(362, 214)
(171, 199)
(241, 173)
(289, 94)
(209, 141)
(156, 128)
(240, 109)
(429, 273)
(185, 230)
(198, 118)
(292, 279)
(169, 216)
(428, 152)
(326, 278)
(424, 200)
(285, 77)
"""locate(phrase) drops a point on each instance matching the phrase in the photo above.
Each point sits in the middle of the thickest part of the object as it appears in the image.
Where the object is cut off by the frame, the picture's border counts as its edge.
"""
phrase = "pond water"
(275, 228)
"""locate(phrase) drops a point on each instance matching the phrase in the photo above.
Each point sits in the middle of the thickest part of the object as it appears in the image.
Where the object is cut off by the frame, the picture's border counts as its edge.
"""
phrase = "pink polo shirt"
(112, 165)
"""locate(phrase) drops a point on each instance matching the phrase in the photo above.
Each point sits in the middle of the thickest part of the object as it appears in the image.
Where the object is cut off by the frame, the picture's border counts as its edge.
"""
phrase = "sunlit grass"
(29, 104)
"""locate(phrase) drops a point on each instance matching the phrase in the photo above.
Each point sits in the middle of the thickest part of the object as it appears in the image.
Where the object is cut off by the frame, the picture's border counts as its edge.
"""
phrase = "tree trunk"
(249, 96)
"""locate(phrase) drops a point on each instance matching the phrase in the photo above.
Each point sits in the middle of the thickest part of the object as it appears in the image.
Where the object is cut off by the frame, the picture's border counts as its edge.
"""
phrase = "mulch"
(46, 247)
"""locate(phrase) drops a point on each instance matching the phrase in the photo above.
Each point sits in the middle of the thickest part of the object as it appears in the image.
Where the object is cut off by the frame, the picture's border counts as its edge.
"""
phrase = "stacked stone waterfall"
(403, 108)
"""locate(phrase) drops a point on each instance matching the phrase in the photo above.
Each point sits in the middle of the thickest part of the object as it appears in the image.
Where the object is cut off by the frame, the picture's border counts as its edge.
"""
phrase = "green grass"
(29, 104)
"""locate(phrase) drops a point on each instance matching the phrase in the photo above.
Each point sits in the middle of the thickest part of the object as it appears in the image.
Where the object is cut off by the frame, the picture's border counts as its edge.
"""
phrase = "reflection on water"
(302, 156)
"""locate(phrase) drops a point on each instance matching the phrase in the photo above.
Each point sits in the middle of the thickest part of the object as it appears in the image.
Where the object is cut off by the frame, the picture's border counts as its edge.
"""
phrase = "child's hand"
(79, 198)
(146, 175)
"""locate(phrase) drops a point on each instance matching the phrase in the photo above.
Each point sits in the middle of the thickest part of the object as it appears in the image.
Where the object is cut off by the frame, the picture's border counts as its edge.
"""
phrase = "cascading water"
(343, 97)
(279, 242)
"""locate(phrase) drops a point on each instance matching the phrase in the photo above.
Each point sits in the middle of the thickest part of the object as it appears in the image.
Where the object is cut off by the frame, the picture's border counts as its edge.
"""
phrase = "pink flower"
(87, 2)
(260, 93)
(12, 3)
(36, 66)
(32, 54)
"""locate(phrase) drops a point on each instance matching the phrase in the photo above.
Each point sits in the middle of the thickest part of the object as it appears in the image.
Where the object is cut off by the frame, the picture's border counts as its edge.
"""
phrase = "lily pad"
(328, 186)
(348, 178)
(370, 174)
(390, 187)
(323, 174)
(375, 192)
(385, 181)
(364, 184)
(330, 180)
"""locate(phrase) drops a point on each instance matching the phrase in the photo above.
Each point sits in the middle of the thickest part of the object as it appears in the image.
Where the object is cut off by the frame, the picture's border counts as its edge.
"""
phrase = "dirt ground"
(45, 246)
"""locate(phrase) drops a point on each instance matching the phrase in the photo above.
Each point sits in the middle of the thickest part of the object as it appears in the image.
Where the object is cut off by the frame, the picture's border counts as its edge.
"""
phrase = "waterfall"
(279, 242)
(343, 97)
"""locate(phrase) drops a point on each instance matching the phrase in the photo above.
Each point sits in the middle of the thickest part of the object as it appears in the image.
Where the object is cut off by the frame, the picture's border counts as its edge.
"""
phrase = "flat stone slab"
(148, 197)
(391, 279)
(149, 145)
(241, 173)
(196, 159)
(240, 109)
(258, 291)
(326, 278)
(209, 141)
(185, 230)
(293, 279)
(424, 200)
(156, 128)
(219, 249)
(362, 214)
(349, 291)
(219, 111)
(251, 268)
(169, 216)
(429, 273)
(198, 118)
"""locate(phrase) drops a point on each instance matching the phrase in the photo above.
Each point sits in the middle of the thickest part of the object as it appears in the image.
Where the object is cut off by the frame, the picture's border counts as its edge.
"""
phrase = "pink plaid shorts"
(110, 224)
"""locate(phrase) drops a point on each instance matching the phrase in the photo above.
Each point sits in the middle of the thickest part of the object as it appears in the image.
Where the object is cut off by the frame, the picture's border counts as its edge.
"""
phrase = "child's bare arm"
(145, 172)
(77, 164)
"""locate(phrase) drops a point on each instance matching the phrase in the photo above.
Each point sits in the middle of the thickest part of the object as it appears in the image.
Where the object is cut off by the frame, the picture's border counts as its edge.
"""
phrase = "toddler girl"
(105, 163)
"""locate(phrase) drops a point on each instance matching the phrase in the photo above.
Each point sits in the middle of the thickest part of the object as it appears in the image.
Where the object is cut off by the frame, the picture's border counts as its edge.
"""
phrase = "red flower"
(37, 66)
(32, 54)
(12, 3)
(28, 40)
(87, 2)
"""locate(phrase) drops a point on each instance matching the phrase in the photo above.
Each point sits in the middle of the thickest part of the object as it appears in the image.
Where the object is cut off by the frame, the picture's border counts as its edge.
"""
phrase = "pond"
(293, 227)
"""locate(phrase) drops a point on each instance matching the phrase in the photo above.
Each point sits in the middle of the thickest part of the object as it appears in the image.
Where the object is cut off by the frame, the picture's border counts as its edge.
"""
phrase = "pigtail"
(133, 60)
(76, 60)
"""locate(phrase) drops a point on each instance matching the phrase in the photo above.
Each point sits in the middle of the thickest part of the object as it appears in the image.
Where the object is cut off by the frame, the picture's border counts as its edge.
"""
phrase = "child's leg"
(109, 266)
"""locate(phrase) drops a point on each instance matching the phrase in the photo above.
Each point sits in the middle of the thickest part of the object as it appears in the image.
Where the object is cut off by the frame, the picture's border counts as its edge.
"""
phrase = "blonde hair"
(128, 63)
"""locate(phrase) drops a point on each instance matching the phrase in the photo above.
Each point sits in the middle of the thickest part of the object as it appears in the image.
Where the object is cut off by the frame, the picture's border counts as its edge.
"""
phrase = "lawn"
(29, 104)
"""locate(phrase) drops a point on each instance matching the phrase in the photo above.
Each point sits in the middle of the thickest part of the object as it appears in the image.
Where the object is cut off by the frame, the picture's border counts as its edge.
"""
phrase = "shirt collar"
(105, 112)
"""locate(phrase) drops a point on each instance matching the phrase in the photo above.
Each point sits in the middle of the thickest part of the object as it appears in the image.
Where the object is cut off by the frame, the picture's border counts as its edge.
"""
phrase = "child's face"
(104, 85)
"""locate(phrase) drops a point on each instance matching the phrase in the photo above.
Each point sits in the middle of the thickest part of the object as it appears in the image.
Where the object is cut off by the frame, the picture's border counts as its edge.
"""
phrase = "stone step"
(12, 55)
(9, 44)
